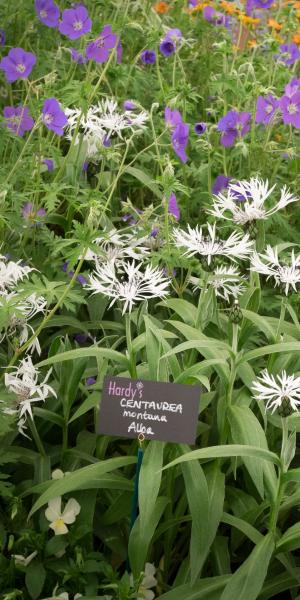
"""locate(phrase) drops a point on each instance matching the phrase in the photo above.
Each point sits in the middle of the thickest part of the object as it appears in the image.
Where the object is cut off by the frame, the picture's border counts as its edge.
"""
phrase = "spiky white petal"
(11, 273)
(286, 275)
(236, 246)
(115, 246)
(245, 201)
(128, 282)
(274, 389)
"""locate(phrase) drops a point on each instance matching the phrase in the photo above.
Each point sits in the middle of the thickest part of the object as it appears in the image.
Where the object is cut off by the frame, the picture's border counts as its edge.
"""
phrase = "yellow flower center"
(58, 523)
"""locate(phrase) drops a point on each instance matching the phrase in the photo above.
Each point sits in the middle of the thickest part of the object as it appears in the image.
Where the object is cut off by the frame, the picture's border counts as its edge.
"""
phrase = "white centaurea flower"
(60, 519)
(280, 392)
(24, 384)
(100, 122)
(236, 246)
(244, 202)
(128, 282)
(11, 273)
(227, 282)
(115, 246)
(285, 275)
(20, 311)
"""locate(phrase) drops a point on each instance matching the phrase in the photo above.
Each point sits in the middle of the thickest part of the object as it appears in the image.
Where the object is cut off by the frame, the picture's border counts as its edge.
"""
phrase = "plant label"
(159, 411)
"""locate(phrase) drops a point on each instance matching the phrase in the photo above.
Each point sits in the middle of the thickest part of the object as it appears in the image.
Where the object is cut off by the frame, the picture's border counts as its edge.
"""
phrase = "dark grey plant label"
(160, 411)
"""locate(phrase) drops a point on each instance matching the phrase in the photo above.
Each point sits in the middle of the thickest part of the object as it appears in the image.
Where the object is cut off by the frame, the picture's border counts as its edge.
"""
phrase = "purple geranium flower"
(193, 3)
(200, 128)
(148, 57)
(99, 49)
(119, 52)
(172, 117)
(30, 213)
(221, 183)
(78, 57)
(2, 37)
(81, 338)
(262, 3)
(173, 207)
(53, 117)
(75, 22)
(292, 87)
(289, 53)
(18, 119)
(232, 125)
(49, 164)
(129, 105)
(180, 138)
(266, 109)
(18, 63)
(291, 109)
(47, 12)
(215, 18)
(90, 380)
(154, 232)
(167, 47)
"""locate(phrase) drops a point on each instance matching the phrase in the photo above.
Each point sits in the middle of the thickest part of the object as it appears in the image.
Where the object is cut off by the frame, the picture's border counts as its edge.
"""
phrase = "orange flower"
(296, 38)
(248, 20)
(228, 7)
(272, 23)
(161, 8)
(252, 43)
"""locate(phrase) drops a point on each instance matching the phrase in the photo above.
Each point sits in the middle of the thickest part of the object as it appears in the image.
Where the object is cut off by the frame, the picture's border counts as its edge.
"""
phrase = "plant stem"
(36, 437)
(132, 361)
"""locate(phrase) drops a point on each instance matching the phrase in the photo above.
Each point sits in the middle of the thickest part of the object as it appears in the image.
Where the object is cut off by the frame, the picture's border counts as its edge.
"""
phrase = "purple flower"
(129, 105)
(154, 232)
(53, 117)
(291, 109)
(148, 57)
(49, 164)
(75, 22)
(99, 49)
(221, 183)
(77, 57)
(232, 125)
(2, 37)
(262, 3)
(180, 138)
(167, 47)
(172, 117)
(18, 119)
(289, 53)
(119, 52)
(173, 207)
(47, 12)
(200, 128)
(30, 213)
(90, 381)
(215, 18)
(18, 63)
(193, 3)
(266, 109)
(81, 338)
(292, 87)
(81, 279)
(85, 166)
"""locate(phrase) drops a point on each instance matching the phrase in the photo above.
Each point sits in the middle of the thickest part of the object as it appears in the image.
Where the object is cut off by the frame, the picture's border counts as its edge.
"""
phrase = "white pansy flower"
(148, 582)
(196, 241)
(285, 275)
(24, 384)
(60, 519)
(128, 282)
(280, 392)
(244, 202)
(22, 560)
(101, 122)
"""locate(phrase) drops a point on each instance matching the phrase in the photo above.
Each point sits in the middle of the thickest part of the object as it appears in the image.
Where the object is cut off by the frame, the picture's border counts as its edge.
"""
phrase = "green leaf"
(81, 479)
(139, 541)
(246, 429)
(226, 451)
(198, 368)
(290, 540)
(292, 475)
(247, 529)
(261, 323)
(35, 578)
(86, 352)
(271, 349)
(92, 401)
(197, 495)
(144, 179)
(280, 583)
(206, 589)
(149, 482)
(247, 581)
(186, 310)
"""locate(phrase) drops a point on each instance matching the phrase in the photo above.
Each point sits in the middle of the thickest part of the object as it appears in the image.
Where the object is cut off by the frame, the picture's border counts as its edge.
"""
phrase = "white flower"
(24, 383)
(277, 394)
(286, 275)
(128, 283)
(11, 273)
(237, 245)
(226, 282)
(149, 581)
(115, 246)
(22, 560)
(245, 201)
(22, 311)
(101, 121)
(58, 519)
